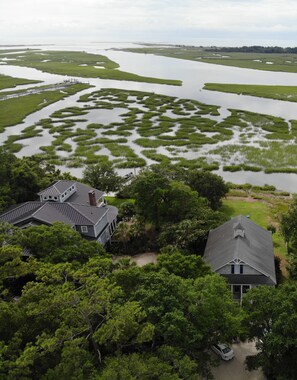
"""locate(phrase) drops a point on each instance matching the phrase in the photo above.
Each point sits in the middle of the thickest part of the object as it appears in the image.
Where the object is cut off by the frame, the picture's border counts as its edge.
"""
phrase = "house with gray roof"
(242, 252)
(70, 202)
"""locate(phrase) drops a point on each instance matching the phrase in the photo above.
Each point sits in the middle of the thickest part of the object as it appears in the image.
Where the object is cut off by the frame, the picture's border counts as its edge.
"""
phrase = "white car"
(223, 350)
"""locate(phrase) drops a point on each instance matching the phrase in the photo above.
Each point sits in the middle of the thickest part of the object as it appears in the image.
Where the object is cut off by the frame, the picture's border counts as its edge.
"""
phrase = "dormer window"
(238, 231)
(84, 229)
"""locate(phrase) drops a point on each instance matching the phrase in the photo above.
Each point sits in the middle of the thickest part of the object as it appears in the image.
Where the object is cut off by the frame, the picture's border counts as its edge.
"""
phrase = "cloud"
(101, 19)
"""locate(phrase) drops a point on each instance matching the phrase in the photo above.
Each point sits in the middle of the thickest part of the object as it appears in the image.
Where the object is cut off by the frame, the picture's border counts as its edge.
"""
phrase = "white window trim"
(84, 229)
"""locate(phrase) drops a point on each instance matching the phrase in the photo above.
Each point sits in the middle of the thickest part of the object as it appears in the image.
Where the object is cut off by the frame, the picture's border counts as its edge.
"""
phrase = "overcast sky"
(199, 22)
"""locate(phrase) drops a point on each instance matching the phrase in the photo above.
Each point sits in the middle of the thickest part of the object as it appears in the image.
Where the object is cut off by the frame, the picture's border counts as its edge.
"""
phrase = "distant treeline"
(254, 49)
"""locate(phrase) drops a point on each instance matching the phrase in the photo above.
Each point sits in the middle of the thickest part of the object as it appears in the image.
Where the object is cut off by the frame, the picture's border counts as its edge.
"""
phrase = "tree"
(58, 243)
(103, 177)
(179, 202)
(22, 179)
(288, 225)
(148, 189)
(208, 185)
(123, 234)
(191, 266)
(271, 319)
(190, 235)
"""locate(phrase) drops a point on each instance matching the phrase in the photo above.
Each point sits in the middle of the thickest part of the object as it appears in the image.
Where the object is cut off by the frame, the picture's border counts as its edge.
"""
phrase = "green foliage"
(184, 266)
(22, 179)
(289, 224)
(58, 243)
(270, 319)
(102, 176)
(208, 185)
(89, 319)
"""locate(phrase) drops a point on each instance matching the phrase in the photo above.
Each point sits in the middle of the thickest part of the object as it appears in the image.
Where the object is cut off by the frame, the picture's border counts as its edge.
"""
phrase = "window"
(232, 268)
(241, 269)
(84, 229)
(245, 288)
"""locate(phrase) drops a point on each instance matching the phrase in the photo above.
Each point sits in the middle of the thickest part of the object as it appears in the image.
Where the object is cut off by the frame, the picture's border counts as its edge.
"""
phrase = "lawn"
(265, 211)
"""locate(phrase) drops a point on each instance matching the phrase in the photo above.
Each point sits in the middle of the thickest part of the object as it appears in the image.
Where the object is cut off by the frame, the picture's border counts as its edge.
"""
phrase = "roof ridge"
(43, 204)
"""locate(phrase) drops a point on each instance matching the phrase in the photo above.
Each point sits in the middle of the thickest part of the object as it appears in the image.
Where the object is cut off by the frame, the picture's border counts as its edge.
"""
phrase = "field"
(257, 61)
(262, 207)
(287, 93)
(78, 64)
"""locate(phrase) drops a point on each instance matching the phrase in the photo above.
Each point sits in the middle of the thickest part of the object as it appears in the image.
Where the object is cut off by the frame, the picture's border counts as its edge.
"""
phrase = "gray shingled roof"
(80, 196)
(255, 247)
(75, 211)
(50, 212)
(57, 188)
(20, 212)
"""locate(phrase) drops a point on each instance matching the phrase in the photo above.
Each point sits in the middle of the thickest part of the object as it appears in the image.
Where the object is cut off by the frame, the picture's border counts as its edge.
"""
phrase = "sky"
(189, 22)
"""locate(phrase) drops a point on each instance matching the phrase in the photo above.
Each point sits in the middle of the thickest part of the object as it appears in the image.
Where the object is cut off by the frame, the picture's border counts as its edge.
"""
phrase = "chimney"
(92, 198)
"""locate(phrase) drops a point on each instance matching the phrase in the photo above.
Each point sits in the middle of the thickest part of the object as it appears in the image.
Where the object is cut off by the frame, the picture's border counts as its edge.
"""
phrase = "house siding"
(100, 226)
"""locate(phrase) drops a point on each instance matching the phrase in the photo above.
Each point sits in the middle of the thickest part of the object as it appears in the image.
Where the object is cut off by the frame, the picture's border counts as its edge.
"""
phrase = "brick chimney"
(92, 198)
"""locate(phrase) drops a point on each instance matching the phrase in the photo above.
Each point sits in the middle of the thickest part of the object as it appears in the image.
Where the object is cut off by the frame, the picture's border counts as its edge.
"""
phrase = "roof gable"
(241, 239)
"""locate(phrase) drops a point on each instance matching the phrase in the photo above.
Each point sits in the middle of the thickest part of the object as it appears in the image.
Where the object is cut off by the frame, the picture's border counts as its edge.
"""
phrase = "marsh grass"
(70, 63)
(13, 111)
(287, 93)
(272, 148)
(10, 82)
(236, 59)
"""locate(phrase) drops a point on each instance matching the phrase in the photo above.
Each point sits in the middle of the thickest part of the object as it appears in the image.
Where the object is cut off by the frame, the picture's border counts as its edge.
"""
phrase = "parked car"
(223, 350)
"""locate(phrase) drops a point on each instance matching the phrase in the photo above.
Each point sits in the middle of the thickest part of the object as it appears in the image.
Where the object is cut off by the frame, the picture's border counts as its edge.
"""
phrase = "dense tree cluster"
(68, 311)
(255, 49)
(172, 207)
(271, 316)
(91, 319)
(102, 176)
(22, 179)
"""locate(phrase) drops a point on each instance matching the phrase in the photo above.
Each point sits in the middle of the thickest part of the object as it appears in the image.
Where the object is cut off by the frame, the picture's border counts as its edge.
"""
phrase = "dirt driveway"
(234, 369)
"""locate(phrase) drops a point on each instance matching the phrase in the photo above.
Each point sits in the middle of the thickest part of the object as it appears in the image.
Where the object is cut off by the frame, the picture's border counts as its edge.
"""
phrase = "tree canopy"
(65, 317)
(102, 176)
(271, 318)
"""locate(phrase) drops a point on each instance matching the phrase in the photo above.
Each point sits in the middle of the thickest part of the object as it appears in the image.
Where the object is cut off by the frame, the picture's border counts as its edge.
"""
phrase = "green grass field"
(287, 93)
(265, 211)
